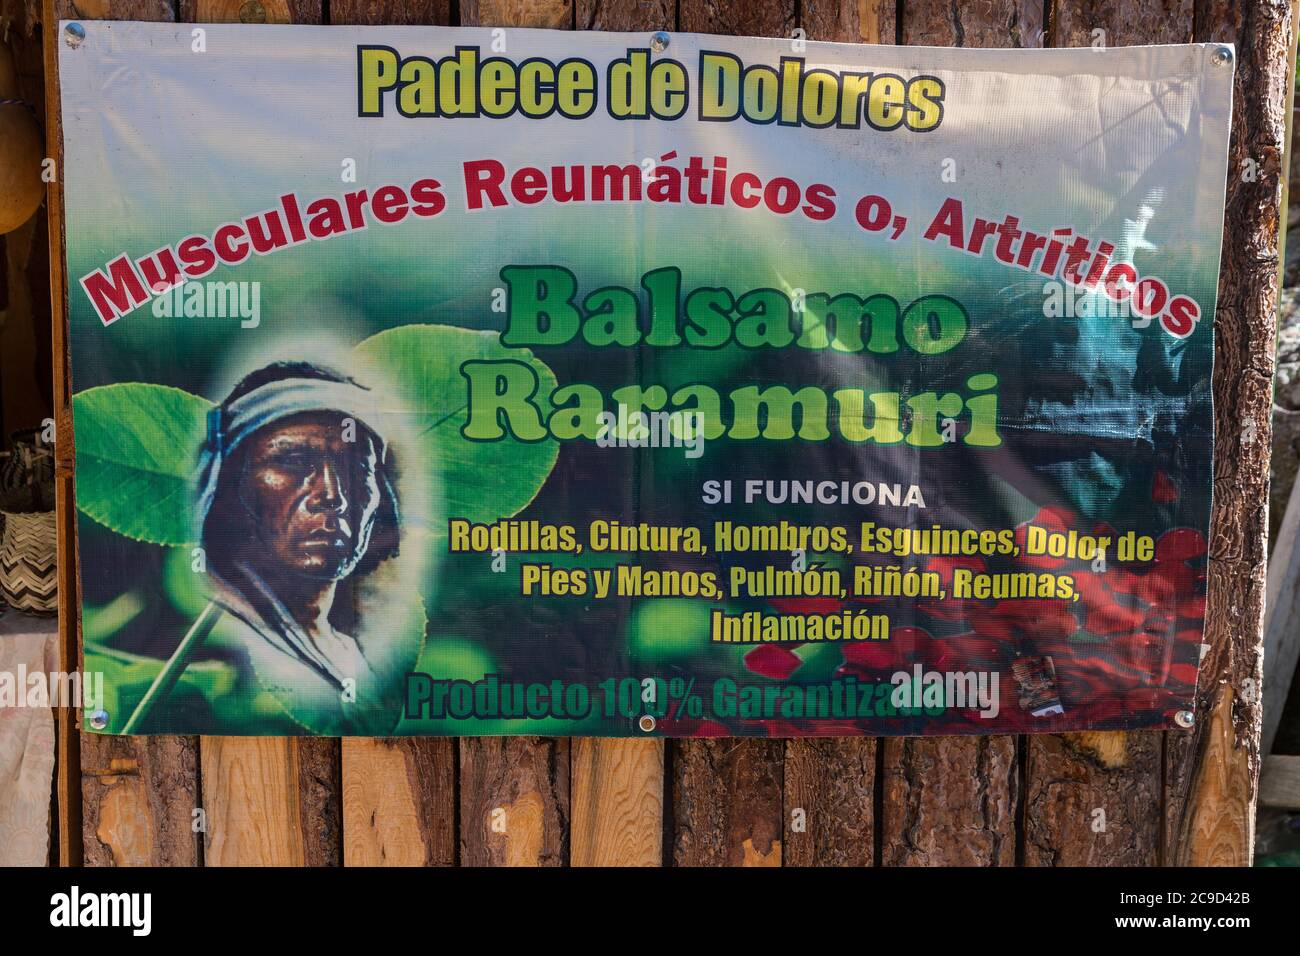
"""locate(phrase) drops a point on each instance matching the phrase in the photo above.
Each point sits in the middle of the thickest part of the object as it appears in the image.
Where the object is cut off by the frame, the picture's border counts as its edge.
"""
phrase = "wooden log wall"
(1138, 799)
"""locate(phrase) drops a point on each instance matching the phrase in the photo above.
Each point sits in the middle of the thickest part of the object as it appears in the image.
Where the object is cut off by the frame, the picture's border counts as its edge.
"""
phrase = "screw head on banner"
(659, 41)
(646, 723)
(1222, 56)
(99, 719)
(1185, 719)
(74, 34)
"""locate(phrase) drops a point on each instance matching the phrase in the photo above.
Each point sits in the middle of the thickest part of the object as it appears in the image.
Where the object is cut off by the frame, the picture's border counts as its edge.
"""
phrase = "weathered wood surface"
(399, 802)
(1211, 774)
(829, 813)
(952, 801)
(638, 15)
(618, 802)
(1122, 23)
(1093, 798)
(773, 18)
(949, 801)
(167, 774)
(727, 802)
(68, 798)
(250, 11)
(531, 801)
(271, 801)
(391, 12)
(982, 23)
(850, 21)
(140, 796)
(514, 801)
(532, 792)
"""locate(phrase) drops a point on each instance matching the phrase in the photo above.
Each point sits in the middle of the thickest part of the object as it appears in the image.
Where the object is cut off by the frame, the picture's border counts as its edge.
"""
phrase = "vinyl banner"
(471, 381)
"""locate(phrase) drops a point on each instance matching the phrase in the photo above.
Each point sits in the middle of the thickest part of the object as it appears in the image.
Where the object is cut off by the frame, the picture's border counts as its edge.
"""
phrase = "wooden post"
(121, 800)
(399, 802)
(514, 801)
(1212, 773)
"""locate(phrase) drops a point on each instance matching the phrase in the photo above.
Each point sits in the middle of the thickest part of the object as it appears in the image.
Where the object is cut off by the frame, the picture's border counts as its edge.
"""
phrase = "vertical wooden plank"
(949, 801)
(140, 794)
(250, 11)
(980, 23)
(850, 21)
(776, 18)
(520, 784)
(1211, 773)
(399, 795)
(391, 12)
(551, 14)
(727, 793)
(269, 801)
(153, 787)
(829, 809)
(399, 802)
(514, 801)
(67, 781)
(829, 785)
(937, 787)
(1092, 799)
(618, 784)
(314, 763)
(1122, 22)
(727, 802)
(626, 15)
(618, 802)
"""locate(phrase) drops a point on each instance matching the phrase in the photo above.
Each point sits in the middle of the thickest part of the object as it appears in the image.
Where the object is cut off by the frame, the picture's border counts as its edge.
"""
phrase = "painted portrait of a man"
(298, 512)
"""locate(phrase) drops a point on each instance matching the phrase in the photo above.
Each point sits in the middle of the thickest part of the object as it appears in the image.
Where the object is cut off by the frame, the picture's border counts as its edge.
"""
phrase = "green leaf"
(479, 481)
(137, 458)
(100, 622)
(128, 676)
(187, 590)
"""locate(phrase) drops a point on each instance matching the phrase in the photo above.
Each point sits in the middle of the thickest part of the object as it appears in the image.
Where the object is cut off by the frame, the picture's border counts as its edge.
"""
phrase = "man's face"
(311, 487)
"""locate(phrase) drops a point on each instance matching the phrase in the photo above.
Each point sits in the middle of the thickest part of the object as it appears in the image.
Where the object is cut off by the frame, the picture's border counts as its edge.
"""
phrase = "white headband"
(229, 425)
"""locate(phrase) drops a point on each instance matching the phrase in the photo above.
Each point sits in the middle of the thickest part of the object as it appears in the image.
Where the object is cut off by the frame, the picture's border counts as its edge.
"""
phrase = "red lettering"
(948, 222)
(483, 177)
(428, 197)
(113, 299)
(389, 204)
